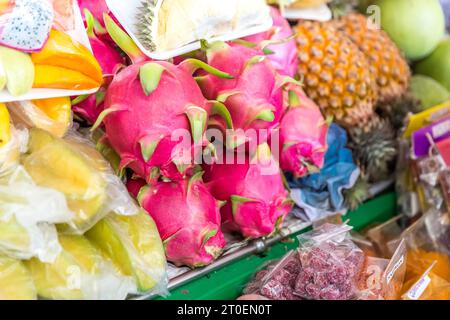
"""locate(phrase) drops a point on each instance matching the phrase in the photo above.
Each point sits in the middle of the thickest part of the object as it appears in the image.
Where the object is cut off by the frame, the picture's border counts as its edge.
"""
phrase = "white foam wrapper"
(79, 34)
(320, 13)
(126, 13)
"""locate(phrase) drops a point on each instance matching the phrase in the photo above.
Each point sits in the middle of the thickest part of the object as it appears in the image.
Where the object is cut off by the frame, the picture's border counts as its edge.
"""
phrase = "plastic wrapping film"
(27, 215)
(10, 153)
(134, 246)
(16, 282)
(80, 272)
(427, 242)
(276, 281)
(53, 115)
(327, 266)
(331, 264)
(427, 286)
(32, 64)
(74, 167)
(176, 27)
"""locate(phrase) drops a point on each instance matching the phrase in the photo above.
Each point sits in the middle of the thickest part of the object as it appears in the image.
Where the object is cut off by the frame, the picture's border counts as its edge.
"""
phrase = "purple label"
(422, 139)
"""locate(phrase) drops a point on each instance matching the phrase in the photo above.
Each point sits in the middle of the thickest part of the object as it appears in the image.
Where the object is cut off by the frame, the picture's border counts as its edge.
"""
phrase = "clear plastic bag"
(27, 215)
(80, 272)
(74, 167)
(15, 280)
(133, 244)
(430, 233)
(427, 286)
(277, 280)
(331, 264)
(386, 236)
(383, 279)
(10, 153)
(53, 115)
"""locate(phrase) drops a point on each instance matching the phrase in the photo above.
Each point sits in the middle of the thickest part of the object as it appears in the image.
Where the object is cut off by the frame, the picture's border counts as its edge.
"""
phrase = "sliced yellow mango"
(64, 52)
(47, 76)
(57, 109)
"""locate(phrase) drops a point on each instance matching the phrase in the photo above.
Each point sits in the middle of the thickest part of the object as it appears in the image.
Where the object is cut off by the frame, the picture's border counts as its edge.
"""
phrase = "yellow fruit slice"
(134, 245)
(59, 110)
(13, 236)
(16, 282)
(62, 51)
(58, 164)
(52, 77)
(63, 279)
(5, 125)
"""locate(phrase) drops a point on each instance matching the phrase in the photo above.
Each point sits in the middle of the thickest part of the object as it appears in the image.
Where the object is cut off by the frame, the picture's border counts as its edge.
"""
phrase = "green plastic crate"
(227, 283)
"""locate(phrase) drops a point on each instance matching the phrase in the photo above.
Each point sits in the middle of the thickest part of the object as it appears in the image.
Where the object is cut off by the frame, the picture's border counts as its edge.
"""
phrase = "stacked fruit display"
(163, 129)
(202, 141)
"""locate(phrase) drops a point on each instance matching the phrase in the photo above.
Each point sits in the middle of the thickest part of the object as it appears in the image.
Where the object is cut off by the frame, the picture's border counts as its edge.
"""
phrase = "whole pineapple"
(335, 73)
(338, 76)
(386, 62)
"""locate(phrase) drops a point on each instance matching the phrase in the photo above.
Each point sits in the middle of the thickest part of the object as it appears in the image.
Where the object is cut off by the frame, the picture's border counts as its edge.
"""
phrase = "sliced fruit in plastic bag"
(53, 115)
(79, 272)
(74, 167)
(134, 245)
(27, 215)
(15, 280)
(64, 52)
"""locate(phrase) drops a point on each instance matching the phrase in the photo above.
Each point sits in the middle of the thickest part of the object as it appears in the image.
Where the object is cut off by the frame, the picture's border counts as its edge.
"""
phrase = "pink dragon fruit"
(283, 52)
(254, 97)
(150, 109)
(90, 107)
(96, 7)
(303, 135)
(187, 217)
(25, 24)
(107, 55)
(256, 199)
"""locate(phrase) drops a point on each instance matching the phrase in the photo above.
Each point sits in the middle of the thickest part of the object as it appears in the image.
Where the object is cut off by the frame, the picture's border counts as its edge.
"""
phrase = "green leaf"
(150, 75)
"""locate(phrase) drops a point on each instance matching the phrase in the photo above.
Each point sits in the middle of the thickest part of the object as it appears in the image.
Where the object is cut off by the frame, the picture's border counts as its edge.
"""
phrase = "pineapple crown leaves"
(340, 8)
(375, 148)
(356, 195)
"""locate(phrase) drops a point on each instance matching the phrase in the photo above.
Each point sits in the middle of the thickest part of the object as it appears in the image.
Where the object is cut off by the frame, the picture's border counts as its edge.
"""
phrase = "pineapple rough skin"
(336, 74)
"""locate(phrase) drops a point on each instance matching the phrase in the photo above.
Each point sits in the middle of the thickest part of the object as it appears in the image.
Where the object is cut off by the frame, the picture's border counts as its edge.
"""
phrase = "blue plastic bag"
(320, 195)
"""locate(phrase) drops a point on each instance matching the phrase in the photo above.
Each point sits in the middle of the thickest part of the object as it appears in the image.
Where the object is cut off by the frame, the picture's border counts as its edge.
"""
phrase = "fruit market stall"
(208, 149)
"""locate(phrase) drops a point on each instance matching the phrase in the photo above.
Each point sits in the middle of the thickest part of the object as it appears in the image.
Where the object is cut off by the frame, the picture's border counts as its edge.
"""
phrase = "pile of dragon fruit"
(232, 89)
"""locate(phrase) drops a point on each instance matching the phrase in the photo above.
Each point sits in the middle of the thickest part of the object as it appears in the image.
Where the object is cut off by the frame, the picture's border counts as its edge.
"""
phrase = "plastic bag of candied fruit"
(331, 264)
(277, 279)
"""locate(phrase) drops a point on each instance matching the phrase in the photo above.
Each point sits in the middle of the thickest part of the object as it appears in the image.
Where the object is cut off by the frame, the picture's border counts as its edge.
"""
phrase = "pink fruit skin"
(188, 220)
(96, 7)
(269, 205)
(285, 56)
(303, 136)
(139, 120)
(91, 108)
(107, 55)
(256, 88)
